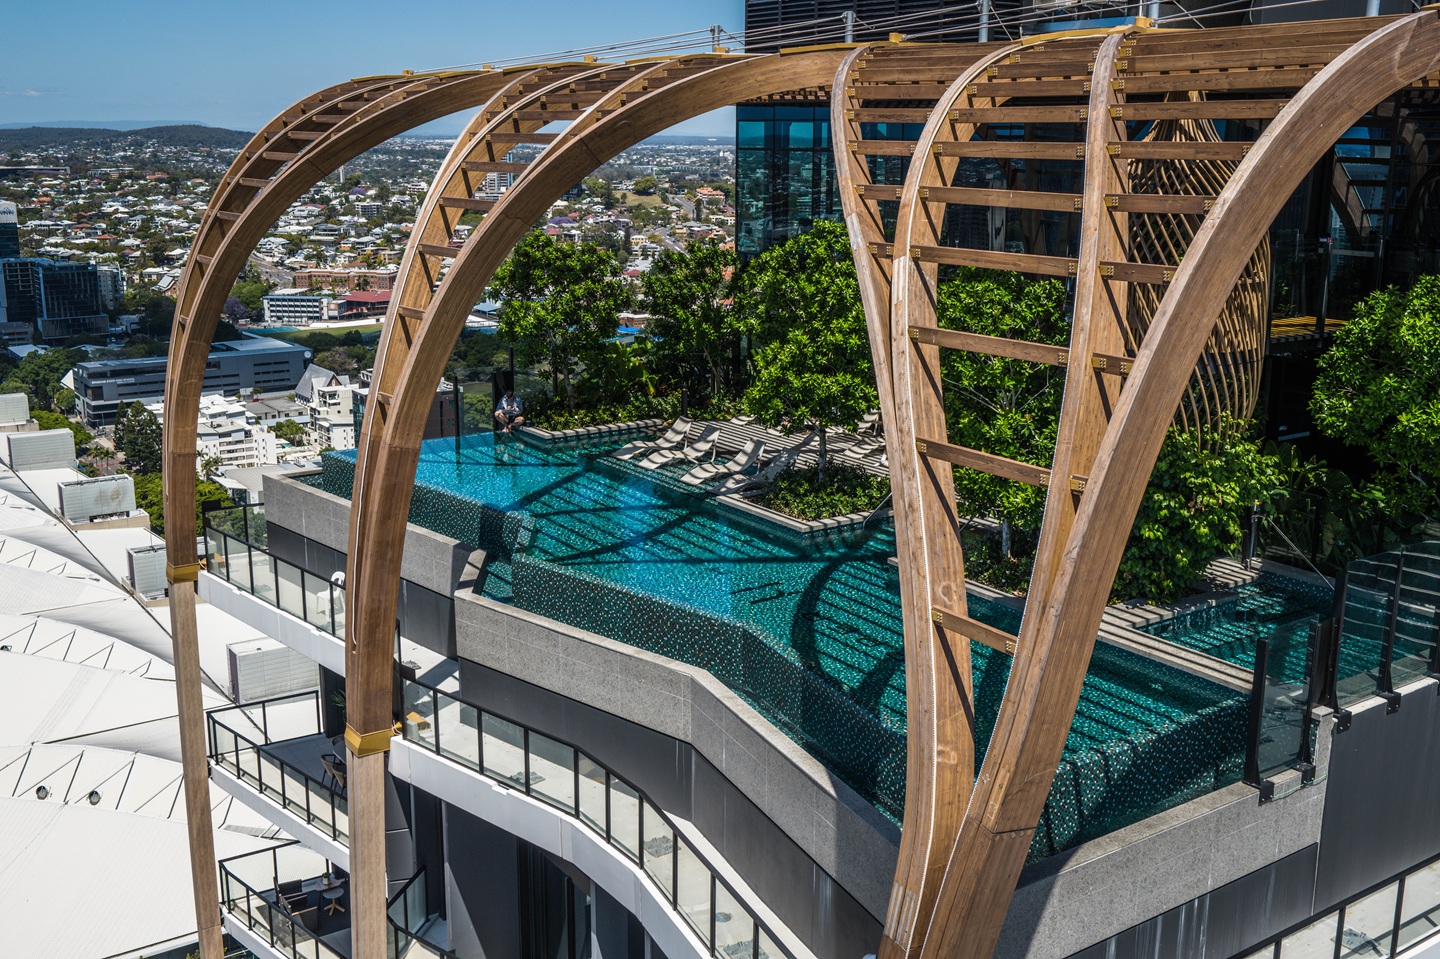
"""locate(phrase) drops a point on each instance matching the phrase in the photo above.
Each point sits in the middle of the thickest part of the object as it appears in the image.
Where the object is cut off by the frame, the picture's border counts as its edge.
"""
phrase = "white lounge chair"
(739, 463)
(739, 482)
(673, 438)
(704, 445)
(857, 454)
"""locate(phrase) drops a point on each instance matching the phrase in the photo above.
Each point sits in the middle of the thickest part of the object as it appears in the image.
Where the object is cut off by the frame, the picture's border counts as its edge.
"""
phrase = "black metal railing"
(518, 757)
(295, 789)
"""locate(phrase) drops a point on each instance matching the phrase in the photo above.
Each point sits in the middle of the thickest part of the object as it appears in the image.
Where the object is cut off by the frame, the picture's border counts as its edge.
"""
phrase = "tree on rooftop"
(800, 302)
(1007, 407)
(1379, 391)
(562, 301)
(694, 330)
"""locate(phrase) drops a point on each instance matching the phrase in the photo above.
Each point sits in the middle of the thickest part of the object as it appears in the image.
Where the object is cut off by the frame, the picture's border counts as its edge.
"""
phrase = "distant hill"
(26, 139)
(104, 124)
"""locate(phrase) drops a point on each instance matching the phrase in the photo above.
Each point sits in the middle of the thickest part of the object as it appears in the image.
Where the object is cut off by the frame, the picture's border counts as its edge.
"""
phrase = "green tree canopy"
(138, 437)
(54, 421)
(1007, 407)
(800, 302)
(150, 496)
(1379, 390)
(694, 330)
(562, 303)
(289, 431)
(646, 186)
(38, 376)
(1193, 509)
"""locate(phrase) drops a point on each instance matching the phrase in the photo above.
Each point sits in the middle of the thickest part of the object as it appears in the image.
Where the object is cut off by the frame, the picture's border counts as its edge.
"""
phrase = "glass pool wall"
(807, 631)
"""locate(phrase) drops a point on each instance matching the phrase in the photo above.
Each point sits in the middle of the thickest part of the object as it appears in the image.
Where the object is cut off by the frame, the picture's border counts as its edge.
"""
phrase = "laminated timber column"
(292, 153)
(413, 354)
(939, 722)
(938, 630)
(1057, 637)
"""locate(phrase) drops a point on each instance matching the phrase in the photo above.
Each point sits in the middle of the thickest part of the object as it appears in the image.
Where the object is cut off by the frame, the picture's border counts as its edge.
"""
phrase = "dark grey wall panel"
(685, 784)
(1224, 921)
(1382, 809)
(482, 876)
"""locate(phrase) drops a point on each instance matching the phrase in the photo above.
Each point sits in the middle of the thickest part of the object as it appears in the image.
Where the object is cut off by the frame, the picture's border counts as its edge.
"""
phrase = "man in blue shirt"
(509, 413)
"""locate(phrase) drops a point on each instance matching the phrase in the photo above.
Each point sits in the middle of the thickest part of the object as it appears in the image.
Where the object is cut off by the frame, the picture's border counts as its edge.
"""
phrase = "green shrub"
(846, 489)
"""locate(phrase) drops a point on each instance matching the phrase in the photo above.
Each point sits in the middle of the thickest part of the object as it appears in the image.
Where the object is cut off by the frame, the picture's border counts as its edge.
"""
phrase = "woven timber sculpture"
(1140, 328)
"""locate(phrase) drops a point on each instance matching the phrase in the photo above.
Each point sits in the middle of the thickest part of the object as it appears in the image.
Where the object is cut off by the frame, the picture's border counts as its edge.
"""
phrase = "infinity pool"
(809, 632)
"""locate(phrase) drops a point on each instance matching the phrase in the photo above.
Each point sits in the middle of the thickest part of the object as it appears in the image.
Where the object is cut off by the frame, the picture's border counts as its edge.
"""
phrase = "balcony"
(571, 782)
(290, 902)
(275, 750)
(553, 772)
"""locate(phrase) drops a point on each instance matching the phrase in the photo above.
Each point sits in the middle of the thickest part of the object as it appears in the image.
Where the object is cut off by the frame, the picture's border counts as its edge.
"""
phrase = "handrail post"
(1386, 681)
(1256, 719)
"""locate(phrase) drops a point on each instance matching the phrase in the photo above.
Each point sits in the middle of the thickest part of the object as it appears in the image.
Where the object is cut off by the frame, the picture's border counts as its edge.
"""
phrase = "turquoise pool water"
(1277, 608)
(807, 631)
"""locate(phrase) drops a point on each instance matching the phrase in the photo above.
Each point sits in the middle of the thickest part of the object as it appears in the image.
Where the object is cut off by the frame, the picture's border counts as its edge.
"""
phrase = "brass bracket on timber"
(184, 573)
(368, 744)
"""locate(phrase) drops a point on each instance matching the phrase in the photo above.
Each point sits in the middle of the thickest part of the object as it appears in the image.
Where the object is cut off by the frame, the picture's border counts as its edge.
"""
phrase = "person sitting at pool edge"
(509, 413)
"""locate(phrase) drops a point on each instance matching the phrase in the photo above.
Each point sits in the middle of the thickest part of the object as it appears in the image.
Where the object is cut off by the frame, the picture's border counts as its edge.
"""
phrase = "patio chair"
(704, 445)
(737, 464)
(861, 453)
(739, 482)
(674, 437)
(869, 423)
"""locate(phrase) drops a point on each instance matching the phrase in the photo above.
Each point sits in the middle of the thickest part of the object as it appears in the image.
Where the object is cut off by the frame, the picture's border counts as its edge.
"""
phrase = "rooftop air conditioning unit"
(84, 501)
(265, 668)
(147, 570)
(42, 450)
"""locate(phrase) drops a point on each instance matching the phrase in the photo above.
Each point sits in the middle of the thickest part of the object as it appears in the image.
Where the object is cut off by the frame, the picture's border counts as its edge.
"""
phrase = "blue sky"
(236, 64)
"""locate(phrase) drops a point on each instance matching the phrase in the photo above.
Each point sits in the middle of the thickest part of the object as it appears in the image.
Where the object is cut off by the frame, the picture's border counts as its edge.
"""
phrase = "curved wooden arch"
(1057, 638)
(412, 360)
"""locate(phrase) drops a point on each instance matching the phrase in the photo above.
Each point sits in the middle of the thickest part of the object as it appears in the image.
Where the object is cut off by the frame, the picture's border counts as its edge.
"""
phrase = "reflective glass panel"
(290, 591)
(459, 731)
(418, 715)
(692, 889)
(1315, 941)
(1420, 907)
(734, 929)
(658, 844)
(625, 818)
(552, 772)
(766, 948)
(592, 793)
(1368, 924)
(504, 749)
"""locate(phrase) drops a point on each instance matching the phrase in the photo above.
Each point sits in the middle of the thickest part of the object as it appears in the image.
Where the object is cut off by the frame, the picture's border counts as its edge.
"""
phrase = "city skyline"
(247, 72)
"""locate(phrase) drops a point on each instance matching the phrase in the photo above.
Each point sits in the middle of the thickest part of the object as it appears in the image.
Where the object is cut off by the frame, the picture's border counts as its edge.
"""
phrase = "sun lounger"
(737, 464)
(861, 452)
(773, 467)
(674, 437)
(869, 423)
(703, 446)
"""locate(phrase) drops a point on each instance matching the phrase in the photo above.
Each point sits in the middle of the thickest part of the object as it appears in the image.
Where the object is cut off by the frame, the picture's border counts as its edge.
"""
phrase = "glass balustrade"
(276, 747)
(547, 769)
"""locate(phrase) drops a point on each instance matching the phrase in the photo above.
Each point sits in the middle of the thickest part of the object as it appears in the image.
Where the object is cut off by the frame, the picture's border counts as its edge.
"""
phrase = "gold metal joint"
(1077, 484)
(920, 447)
(1122, 64)
(368, 744)
(936, 615)
(860, 191)
(897, 38)
(1084, 114)
(849, 114)
(184, 573)
(1086, 86)
(1113, 149)
(1072, 268)
(914, 253)
(1062, 358)
(1168, 275)
(1112, 201)
(1125, 368)
(1079, 204)
(1080, 152)
(974, 89)
(915, 333)
(1099, 362)
(1209, 205)
(992, 72)
(1010, 646)
(924, 193)
(1119, 83)
(1117, 113)
(1107, 270)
